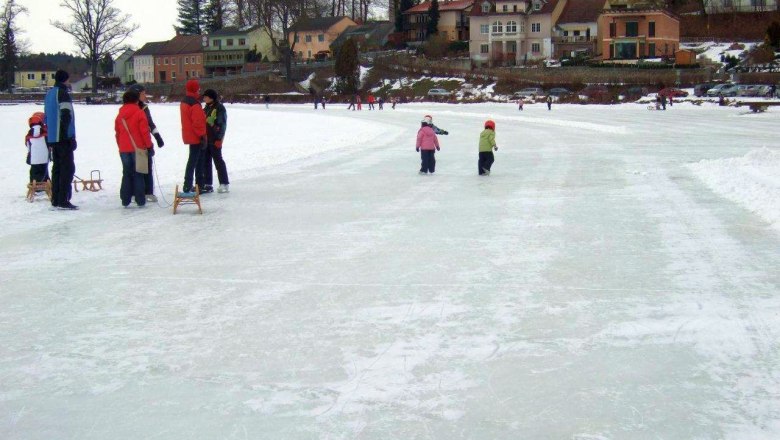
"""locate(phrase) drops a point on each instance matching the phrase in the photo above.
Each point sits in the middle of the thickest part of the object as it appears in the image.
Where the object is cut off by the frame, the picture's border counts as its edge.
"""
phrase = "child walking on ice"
(487, 144)
(426, 143)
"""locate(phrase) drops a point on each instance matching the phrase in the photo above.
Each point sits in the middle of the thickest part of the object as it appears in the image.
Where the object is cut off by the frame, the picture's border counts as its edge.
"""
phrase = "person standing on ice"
(549, 103)
(427, 142)
(142, 104)
(131, 128)
(487, 144)
(193, 132)
(216, 125)
(520, 103)
(61, 136)
(359, 101)
(37, 150)
(371, 101)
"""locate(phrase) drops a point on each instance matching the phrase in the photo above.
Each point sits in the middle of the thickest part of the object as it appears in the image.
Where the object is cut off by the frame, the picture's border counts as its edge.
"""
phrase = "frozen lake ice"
(612, 279)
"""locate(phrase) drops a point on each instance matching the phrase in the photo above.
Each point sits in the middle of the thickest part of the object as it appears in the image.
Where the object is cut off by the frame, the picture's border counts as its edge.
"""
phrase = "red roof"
(581, 11)
(456, 5)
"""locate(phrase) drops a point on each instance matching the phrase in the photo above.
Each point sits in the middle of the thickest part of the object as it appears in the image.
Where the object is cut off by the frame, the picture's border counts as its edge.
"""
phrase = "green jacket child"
(487, 144)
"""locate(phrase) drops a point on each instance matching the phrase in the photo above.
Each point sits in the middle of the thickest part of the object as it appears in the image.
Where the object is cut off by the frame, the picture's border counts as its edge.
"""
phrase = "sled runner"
(34, 187)
(93, 184)
(187, 198)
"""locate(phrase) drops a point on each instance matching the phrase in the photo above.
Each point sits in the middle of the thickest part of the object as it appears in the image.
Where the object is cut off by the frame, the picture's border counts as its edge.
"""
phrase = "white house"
(143, 61)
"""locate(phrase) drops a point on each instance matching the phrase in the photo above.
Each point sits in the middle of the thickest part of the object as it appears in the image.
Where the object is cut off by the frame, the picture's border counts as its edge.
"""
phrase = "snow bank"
(752, 181)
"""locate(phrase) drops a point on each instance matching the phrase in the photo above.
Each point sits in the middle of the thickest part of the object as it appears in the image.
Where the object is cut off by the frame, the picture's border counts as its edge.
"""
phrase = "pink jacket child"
(426, 143)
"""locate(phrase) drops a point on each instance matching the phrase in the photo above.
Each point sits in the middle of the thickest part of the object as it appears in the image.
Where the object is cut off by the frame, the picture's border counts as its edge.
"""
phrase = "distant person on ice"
(142, 104)
(37, 149)
(427, 142)
(193, 133)
(487, 144)
(549, 102)
(520, 104)
(61, 136)
(216, 125)
(131, 128)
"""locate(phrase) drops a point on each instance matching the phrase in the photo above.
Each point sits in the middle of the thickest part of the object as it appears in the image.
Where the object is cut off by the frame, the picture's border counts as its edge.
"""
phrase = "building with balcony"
(179, 59)
(312, 36)
(454, 20)
(227, 50)
(143, 61)
(632, 30)
(576, 31)
(512, 32)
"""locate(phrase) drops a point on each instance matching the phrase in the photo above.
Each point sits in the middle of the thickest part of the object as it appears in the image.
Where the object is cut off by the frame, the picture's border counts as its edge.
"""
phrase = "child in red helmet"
(37, 148)
(487, 144)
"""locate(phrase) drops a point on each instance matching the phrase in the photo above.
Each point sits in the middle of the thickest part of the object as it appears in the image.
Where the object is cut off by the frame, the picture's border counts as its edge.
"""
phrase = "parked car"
(764, 91)
(701, 89)
(634, 93)
(723, 90)
(594, 92)
(558, 92)
(529, 92)
(749, 90)
(437, 93)
(672, 92)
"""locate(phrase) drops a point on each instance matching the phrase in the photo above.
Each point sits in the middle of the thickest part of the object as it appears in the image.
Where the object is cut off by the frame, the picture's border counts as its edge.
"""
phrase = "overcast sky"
(155, 17)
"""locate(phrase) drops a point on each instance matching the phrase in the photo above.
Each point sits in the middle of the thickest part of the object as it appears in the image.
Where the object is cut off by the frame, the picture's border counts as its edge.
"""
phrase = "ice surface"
(598, 285)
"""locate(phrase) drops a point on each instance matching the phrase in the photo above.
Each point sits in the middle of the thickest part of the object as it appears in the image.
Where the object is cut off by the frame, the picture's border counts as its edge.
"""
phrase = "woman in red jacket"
(132, 132)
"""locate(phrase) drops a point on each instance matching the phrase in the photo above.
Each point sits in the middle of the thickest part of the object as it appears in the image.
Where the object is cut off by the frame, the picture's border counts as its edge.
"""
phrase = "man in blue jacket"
(62, 140)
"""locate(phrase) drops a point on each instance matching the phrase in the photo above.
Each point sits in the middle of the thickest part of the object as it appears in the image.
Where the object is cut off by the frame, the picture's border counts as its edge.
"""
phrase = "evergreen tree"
(399, 13)
(9, 50)
(432, 27)
(107, 64)
(347, 68)
(192, 14)
(215, 15)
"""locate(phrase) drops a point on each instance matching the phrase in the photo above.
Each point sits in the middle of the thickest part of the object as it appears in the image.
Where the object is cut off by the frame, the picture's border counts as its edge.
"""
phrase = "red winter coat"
(193, 119)
(137, 125)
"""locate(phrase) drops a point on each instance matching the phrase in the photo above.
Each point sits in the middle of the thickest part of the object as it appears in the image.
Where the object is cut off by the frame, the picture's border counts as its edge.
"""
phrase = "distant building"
(123, 66)
(313, 36)
(511, 32)
(631, 30)
(369, 36)
(143, 61)
(34, 73)
(179, 59)
(576, 31)
(229, 49)
(724, 6)
(453, 20)
(80, 82)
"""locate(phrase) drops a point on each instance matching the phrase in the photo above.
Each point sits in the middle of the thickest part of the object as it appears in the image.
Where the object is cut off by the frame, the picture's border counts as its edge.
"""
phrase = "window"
(651, 50)
(498, 27)
(651, 29)
(308, 54)
(321, 38)
(43, 77)
(536, 27)
(511, 27)
(198, 60)
(486, 7)
(173, 76)
(173, 61)
(565, 33)
(484, 48)
(229, 41)
(308, 38)
(297, 39)
(632, 29)
(186, 60)
(218, 43)
(505, 8)
(612, 30)
(537, 6)
(31, 76)
(242, 41)
(158, 61)
(576, 33)
(514, 8)
(165, 61)
(484, 28)
(536, 48)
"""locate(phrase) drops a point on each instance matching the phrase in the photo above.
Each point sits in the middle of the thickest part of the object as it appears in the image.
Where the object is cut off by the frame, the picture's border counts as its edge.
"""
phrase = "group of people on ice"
(52, 136)
(428, 144)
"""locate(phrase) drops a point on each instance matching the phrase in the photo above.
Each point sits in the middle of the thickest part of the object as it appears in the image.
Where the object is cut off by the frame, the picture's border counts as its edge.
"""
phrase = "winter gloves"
(418, 149)
(159, 140)
(495, 148)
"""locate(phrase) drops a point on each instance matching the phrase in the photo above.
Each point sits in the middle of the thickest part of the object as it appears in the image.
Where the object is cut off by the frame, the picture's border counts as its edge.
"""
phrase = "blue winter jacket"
(60, 119)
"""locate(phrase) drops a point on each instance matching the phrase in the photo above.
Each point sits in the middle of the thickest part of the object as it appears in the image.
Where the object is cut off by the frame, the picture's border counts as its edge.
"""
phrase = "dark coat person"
(61, 137)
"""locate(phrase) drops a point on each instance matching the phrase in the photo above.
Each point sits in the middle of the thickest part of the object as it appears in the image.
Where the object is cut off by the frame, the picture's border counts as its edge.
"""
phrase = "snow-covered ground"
(616, 277)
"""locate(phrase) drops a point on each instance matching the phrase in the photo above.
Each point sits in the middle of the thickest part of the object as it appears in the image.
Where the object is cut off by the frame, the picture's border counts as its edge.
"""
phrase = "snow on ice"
(614, 278)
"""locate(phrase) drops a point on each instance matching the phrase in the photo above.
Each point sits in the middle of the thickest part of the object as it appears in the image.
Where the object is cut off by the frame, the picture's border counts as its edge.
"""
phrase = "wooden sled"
(93, 184)
(34, 187)
(187, 198)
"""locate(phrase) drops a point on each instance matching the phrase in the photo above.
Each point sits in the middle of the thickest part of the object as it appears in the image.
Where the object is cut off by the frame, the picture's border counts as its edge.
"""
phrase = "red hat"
(490, 124)
(192, 86)
(36, 118)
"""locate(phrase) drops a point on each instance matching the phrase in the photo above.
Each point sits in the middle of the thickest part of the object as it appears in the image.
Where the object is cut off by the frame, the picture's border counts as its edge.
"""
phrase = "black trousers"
(214, 155)
(39, 172)
(428, 161)
(194, 164)
(149, 178)
(62, 172)
(486, 160)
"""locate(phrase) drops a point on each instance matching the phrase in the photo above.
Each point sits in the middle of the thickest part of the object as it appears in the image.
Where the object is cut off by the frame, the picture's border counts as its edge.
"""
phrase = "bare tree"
(98, 27)
(277, 17)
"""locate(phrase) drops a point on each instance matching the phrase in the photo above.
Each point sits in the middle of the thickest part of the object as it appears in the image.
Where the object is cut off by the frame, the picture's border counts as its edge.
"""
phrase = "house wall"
(528, 43)
(178, 68)
(34, 78)
(666, 40)
(724, 6)
(143, 66)
(259, 40)
(308, 49)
